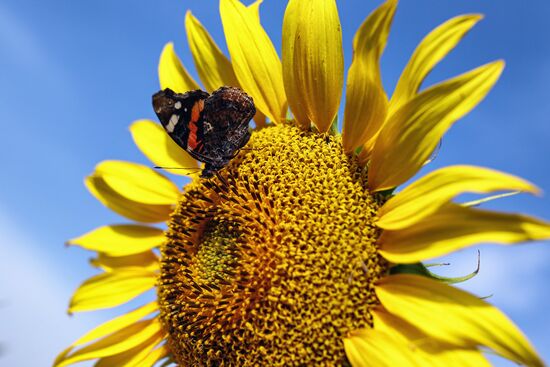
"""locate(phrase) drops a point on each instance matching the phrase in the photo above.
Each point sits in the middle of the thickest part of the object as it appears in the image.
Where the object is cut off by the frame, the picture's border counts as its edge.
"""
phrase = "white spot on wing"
(172, 124)
(177, 105)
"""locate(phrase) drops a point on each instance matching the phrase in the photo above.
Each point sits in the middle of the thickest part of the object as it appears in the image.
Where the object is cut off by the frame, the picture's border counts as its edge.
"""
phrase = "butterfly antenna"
(188, 168)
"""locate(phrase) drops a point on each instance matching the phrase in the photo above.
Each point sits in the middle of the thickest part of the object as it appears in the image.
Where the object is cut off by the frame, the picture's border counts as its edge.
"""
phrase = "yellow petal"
(146, 260)
(132, 357)
(433, 48)
(110, 327)
(436, 189)
(254, 8)
(138, 183)
(117, 324)
(313, 61)
(255, 61)
(428, 351)
(118, 342)
(155, 143)
(370, 348)
(172, 74)
(454, 316)
(112, 289)
(155, 356)
(412, 133)
(290, 24)
(130, 209)
(214, 68)
(366, 101)
(456, 358)
(454, 227)
(120, 239)
(375, 347)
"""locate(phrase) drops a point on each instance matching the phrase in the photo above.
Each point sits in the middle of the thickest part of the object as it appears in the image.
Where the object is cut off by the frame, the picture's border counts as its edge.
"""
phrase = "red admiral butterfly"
(211, 128)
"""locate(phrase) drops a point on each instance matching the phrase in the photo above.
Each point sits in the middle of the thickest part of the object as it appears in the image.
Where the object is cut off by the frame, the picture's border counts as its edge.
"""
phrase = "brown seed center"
(276, 263)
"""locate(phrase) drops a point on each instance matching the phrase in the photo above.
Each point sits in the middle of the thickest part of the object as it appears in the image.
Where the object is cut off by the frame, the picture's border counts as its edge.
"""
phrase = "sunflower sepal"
(422, 270)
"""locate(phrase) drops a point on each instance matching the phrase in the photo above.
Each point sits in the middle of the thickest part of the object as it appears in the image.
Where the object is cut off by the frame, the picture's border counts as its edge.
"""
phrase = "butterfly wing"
(181, 116)
(227, 113)
(211, 128)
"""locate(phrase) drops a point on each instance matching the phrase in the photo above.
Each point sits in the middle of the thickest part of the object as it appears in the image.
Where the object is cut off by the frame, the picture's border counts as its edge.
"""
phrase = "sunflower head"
(266, 265)
(301, 251)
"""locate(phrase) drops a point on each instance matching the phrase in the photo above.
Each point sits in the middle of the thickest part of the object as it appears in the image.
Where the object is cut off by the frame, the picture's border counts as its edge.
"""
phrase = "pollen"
(273, 262)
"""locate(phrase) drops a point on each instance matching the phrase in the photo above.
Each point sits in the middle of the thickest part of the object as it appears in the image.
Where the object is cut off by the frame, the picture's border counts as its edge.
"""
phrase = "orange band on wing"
(193, 128)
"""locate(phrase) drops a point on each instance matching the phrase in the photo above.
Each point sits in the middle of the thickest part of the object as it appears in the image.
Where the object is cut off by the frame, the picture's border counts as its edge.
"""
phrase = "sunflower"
(301, 251)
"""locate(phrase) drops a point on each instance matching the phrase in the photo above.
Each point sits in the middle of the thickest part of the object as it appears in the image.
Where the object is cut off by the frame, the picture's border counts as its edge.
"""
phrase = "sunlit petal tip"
(255, 8)
(213, 67)
(476, 17)
(411, 134)
(313, 61)
(500, 65)
(172, 73)
(259, 72)
(189, 19)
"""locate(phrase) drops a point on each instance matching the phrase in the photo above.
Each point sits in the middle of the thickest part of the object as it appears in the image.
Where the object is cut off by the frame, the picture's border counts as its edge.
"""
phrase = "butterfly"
(212, 128)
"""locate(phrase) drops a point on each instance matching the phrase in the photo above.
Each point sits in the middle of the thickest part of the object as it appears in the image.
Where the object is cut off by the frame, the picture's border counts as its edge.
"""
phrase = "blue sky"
(75, 74)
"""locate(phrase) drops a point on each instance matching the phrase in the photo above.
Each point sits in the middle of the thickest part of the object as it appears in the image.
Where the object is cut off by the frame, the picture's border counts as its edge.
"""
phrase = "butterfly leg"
(208, 170)
(222, 179)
